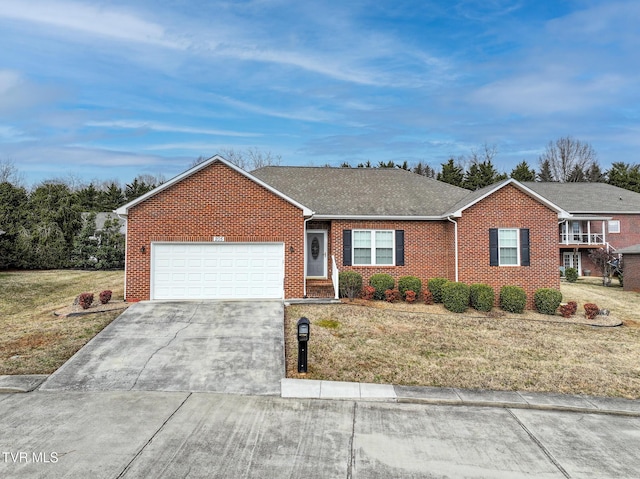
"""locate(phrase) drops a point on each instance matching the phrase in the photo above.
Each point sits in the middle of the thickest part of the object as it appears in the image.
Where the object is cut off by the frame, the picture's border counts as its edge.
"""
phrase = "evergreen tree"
(522, 172)
(624, 175)
(88, 198)
(480, 175)
(13, 200)
(595, 175)
(545, 171)
(451, 173)
(111, 198)
(85, 244)
(110, 254)
(134, 190)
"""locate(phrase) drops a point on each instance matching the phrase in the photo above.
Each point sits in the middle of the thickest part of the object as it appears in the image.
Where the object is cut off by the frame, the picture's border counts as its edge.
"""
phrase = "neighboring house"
(631, 262)
(104, 216)
(602, 216)
(216, 231)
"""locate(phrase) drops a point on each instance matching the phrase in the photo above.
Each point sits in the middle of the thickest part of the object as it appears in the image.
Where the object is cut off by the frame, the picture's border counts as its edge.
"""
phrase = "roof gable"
(478, 195)
(124, 210)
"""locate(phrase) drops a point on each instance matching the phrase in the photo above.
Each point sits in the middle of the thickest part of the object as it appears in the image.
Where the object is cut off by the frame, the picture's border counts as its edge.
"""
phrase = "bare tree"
(9, 173)
(568, 159)
(249, 159)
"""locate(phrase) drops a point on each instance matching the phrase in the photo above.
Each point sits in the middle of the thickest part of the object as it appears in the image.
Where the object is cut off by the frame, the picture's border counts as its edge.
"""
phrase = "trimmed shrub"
(573, 306)
(566, 310)
(382, 282)
(481, 297)
(349, 284)
(409, 283)
(410, 296)
(428, 296)
(571, 275)
(105, 296)
(591, 310)
(368, 292)
(513, 299)
(392, 295)
(455, 296)
(435, 286)
(85, 300)
(547, 300)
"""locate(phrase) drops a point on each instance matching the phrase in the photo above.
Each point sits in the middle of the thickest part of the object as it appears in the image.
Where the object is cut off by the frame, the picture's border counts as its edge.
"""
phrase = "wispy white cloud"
(115, 23)
(155, 126)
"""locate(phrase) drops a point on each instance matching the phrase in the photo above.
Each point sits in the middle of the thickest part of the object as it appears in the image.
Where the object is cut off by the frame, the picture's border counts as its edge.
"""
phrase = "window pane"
(508, 256)
(384, 255)
(362, 256)
(384, 239)
(614, 226)
(362, 239)
(508, 244)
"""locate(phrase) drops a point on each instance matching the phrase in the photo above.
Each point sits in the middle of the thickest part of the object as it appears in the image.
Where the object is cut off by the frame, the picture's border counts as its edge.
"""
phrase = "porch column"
(604, 234)
(589, 231)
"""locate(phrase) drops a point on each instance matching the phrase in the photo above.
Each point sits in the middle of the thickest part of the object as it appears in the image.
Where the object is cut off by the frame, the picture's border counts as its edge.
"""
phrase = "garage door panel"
(217, 271)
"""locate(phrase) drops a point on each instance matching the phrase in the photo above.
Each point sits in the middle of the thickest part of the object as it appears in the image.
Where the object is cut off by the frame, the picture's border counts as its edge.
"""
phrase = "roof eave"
(378, 217)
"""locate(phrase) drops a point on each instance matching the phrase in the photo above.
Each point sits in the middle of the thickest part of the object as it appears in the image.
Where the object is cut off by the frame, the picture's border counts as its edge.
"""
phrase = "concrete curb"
(335, 390)
(21, 383)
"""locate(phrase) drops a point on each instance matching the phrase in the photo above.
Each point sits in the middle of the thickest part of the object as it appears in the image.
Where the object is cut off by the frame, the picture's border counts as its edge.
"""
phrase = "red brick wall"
(629, 231)
(631, 272)
(509, 208)
(215, 201)
(428, 248)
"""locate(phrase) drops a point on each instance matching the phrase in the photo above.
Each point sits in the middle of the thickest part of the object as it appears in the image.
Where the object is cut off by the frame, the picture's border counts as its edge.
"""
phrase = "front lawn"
(34, 340)
(429, 346)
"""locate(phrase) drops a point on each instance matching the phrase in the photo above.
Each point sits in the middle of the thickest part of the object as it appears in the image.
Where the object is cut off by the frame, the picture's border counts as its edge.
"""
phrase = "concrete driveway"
(210, 346)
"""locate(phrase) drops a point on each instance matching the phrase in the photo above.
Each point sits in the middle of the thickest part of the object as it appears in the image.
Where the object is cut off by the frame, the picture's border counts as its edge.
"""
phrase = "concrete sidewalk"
(313, 389)
(139, 434)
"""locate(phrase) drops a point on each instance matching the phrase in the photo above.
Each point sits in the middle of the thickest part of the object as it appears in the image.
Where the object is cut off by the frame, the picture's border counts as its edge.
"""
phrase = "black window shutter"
(493, 247)
(399, 247)
(346, 247)
(525, 259)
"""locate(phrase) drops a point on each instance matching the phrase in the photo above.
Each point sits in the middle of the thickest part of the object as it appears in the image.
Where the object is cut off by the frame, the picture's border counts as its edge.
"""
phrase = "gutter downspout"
(455, 229)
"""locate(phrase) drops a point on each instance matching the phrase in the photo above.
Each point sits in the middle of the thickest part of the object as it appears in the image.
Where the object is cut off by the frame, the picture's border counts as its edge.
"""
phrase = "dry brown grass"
(427, 345)
(34, 340)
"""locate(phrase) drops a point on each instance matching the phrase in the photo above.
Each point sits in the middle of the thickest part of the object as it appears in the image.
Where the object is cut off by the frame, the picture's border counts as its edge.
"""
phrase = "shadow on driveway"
(232, 347)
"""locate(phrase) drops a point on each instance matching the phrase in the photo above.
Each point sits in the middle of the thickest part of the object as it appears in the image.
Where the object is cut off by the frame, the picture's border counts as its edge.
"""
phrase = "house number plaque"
(218, 238)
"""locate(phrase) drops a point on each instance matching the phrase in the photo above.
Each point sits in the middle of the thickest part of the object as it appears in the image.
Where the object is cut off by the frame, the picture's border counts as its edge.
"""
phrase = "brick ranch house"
(218, 232)
(602, 216)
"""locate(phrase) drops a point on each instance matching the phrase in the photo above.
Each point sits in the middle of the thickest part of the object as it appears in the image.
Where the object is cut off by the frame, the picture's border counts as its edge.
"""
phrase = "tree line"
(564, 160)
(54, 224)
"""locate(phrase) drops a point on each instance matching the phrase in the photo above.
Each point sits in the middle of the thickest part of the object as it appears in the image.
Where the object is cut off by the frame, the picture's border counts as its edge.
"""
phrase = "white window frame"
(612, 230)
(373, 247)
(517, 247)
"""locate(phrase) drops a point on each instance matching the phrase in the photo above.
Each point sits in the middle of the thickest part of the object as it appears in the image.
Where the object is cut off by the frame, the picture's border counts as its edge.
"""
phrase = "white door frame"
(572, 255)
(306, 252)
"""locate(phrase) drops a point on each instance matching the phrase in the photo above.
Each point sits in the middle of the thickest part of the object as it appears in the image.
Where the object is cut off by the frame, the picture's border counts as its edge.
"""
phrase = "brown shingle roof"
(362, 191)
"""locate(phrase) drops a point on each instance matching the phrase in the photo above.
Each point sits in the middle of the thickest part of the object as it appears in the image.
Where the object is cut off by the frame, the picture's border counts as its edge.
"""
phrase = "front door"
(316, 254)
(572, 260)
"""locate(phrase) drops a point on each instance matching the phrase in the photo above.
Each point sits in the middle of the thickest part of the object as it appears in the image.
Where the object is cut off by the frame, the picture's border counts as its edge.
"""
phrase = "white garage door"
(217, 270)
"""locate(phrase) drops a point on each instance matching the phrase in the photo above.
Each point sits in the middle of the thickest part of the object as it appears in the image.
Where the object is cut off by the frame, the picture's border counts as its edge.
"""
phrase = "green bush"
(382, 282)
(571, 275)
(455, 296)
(547, 300)
(481, 297)
(435, 286)
(409, 283)
(349, 284)
(513, 299)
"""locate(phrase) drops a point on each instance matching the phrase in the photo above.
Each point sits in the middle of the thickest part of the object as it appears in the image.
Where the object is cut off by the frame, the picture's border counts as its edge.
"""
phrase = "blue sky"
(112, 89)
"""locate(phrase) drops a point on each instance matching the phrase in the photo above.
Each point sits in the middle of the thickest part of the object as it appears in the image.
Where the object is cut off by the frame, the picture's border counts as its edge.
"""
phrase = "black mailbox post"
(304, 327)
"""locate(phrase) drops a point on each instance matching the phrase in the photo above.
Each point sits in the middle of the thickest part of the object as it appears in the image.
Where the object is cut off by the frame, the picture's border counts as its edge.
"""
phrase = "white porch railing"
(582, 238)
(334, 277)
